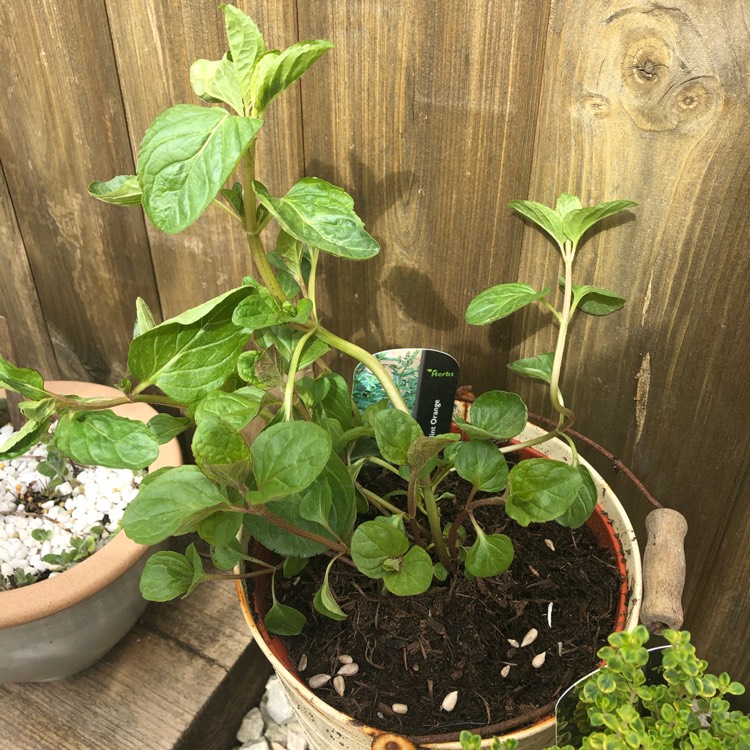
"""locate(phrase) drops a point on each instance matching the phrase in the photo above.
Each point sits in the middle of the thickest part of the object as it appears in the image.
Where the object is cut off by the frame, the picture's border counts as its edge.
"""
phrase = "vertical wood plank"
(651, 104)
(19, 302)
(427, 117)
(61, 126)
(155, 44)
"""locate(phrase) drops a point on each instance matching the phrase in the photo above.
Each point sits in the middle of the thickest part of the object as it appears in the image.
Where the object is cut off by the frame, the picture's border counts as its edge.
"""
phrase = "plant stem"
(257, 252)
(568, 252)
(292, 374)
(369, 361)
(380, 503)
(228, 209)
(259, 510)
(433, 516)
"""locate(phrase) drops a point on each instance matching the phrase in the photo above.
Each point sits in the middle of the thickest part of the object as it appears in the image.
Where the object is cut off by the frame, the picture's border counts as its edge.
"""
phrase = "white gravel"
(271, 726)
(88, 505)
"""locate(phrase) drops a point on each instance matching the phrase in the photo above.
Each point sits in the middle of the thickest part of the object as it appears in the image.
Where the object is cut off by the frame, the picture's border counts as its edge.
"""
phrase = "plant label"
(426, 378)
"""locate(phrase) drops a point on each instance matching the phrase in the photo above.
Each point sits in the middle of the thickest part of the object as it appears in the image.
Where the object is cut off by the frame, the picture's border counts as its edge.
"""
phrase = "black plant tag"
(426, 378)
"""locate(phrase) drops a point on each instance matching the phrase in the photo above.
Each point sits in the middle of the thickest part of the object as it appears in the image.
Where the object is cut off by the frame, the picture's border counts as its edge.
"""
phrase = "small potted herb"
(627, 705)
(280, 453)
(68, 576)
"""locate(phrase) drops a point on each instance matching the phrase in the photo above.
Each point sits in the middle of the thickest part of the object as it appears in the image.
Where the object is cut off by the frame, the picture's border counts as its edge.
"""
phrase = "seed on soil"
(538, 660)
(318, 680)
(530, 637)
(345, 659)
(449, 702)
(513, 642)
(505, 671)
(339, 685)
(559, 648)
(549, 614)
(348, 670)
(550, 544)
(399, 708)
(302, 665)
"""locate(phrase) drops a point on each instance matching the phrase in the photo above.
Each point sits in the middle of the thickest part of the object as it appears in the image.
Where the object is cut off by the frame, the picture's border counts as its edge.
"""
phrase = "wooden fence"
(433, 115)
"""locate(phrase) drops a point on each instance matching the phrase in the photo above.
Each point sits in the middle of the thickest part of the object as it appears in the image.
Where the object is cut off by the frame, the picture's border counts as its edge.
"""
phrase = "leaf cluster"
(623, 707)
(279, 448)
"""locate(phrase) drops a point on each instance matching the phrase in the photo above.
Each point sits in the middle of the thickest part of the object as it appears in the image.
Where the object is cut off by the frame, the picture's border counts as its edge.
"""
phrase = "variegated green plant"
(279, 454)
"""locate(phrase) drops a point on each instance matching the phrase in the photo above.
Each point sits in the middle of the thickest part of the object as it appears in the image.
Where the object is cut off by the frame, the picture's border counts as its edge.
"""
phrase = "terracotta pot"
(327, 728)
(57, 627)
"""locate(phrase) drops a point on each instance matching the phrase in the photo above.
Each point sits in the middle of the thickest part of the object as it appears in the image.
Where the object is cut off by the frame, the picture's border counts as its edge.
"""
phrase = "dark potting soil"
(416, 650)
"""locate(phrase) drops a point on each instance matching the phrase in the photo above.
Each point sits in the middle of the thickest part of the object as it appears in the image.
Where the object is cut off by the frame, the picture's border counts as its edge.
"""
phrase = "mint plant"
(622, 707)
(280, 450)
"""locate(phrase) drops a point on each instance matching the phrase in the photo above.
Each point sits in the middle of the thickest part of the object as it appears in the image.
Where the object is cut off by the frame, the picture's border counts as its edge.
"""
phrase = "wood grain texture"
(61, 125)
(426, 118)
(651, 103)
(19, 302)
(155, 47)
(181, 680)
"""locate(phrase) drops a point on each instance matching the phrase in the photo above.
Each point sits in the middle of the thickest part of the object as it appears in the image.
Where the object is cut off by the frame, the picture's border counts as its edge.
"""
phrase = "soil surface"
(457, 636)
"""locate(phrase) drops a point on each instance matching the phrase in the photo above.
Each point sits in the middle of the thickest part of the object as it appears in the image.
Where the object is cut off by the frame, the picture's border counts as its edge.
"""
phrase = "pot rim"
(627, 615)
(29, 603)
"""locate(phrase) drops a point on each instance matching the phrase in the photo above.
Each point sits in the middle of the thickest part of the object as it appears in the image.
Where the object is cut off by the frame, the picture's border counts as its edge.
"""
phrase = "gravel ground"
(271, 726)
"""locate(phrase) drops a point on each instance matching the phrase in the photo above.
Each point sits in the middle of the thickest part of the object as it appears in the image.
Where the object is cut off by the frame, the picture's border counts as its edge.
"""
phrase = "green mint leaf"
(220, 529)
(287, 458)
(262, 369)
(217, 81)
(373, 543)
(322, 216)
(490, 555)
(165, 427)
(228, 556)
(538, 366)
(543, 216)
(235, 198)
(577, 222)
(122, 190)
(395, 431)
(584, 503)
(170, 503)
(193, 354)
(495, 415)
(316, 502)
(144, 318)
(337, 402)
(28, 383)
(284, 620)
(236, 408)
(221, 452)
(194, 558)
(246, 45)
(481, 464)
(283, 542)
(500, 301)
(285, 339)
(325, 601)
(414, 575)
(424, 449)
(567, 203)
(102, 438)
(260, 310)
(166, 576)
(293, 566)
(276, 71)
(596, 301)
(38, 411)
(541, 489)
(186, 156)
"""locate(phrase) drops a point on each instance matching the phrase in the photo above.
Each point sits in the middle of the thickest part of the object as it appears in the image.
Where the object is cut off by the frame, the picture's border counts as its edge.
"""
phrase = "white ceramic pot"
(57, 627)
(327, 728)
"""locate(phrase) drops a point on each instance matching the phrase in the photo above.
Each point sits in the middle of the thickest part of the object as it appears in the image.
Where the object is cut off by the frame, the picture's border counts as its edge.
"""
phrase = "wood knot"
(594, 105)
(664, 92)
